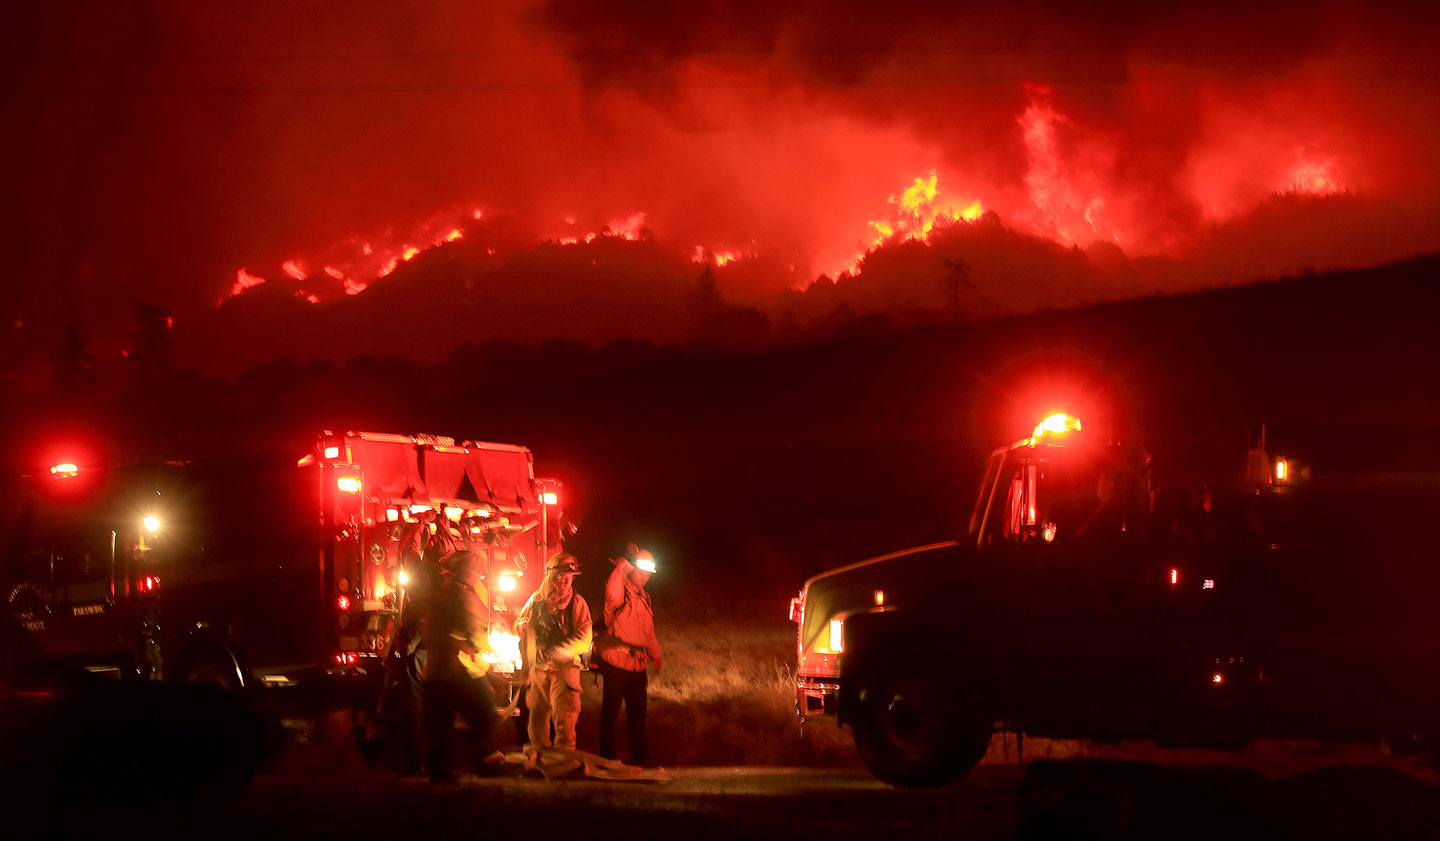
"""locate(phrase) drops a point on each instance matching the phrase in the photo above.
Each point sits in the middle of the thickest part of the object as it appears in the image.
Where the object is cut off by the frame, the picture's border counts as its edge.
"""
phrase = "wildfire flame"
(1316, 176)
(628, 228)
(243, 280)
(356, 263)
(1068, 193)
(715, 258)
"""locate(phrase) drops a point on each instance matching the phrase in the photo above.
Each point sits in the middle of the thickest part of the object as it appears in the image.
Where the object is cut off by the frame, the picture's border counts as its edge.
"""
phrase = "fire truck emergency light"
(343, 602)
(152, 524)
(880, 598)
(453, 512)
(550, 498)
(506, 582)
(348, 484)
(1058, 424)
(837, 635)
(332, 452)
(1281, 470)
(392, 514)
(65, 470)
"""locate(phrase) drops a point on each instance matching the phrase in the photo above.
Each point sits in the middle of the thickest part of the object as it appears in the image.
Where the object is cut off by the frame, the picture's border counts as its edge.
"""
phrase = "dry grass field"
(726, 697)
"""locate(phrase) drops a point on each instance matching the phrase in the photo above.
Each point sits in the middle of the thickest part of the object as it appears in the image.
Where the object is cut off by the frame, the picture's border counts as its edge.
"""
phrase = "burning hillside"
(787, 147)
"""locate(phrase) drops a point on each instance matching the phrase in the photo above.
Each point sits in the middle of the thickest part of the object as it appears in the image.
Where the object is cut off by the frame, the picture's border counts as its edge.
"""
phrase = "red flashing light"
(551, 498)
(1282, 470)
(148, 584)
(332, 452)
(1174, 576)
(1217, 678)
(348, 484)
(1208, 585)
(343, 602)
(65, 470)
(507, 582)
(347, 658)
(1056, 424)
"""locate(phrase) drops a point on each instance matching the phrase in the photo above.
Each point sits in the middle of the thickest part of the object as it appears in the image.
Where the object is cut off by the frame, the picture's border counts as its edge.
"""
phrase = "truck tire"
(914, 728)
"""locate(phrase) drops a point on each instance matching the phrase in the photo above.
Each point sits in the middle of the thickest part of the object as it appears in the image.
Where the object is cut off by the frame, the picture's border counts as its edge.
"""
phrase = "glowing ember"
(334, 272)
(294, 269)
(409, 253)
(453, 235)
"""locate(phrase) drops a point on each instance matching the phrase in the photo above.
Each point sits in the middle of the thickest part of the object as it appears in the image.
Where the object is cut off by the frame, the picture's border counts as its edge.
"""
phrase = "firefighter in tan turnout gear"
(555, 628)
(627, 648)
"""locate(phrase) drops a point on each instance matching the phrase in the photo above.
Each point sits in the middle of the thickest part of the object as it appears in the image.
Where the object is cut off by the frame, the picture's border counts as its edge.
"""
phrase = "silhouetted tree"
(705, 301)
(73, 361)
(152, 348)
(956, 281)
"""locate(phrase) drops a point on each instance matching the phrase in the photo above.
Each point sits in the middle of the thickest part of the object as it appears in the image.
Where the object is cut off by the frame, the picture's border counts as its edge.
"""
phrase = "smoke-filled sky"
(178, 152)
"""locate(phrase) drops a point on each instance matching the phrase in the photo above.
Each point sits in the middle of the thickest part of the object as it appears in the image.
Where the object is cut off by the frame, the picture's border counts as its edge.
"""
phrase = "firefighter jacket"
(456, 621)
(629, 642)
(554, 636)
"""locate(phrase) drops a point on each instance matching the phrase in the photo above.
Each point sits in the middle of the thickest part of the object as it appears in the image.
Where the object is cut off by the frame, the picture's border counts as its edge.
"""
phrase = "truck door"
(86, 622)
(1065, 560)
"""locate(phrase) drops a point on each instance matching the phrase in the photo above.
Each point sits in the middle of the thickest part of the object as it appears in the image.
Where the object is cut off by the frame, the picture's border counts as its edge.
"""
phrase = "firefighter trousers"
(622, 686)
(554, 693)
(472, 699)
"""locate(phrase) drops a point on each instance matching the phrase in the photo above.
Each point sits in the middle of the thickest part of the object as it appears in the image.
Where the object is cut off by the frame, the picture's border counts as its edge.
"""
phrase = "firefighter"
(403, 692)
(627, 648)
(555, 628)
(455, 627)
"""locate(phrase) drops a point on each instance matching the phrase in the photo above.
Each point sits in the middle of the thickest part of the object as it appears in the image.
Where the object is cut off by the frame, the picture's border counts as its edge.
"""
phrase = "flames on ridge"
(1069, 192)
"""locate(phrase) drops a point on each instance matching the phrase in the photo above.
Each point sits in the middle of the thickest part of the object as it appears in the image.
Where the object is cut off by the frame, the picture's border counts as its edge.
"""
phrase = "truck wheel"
(916, 729)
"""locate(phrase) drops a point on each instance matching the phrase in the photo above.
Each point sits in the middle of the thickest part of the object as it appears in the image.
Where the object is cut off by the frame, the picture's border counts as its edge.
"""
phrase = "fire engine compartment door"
(504, 477)
(390, 469)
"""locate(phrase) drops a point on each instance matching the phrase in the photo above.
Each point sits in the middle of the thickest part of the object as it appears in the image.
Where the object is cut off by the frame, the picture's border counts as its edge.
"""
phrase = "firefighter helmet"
(562, 563)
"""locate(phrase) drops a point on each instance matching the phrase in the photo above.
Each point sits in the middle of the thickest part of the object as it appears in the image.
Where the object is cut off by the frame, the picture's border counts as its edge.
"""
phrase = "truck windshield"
(1061, 494)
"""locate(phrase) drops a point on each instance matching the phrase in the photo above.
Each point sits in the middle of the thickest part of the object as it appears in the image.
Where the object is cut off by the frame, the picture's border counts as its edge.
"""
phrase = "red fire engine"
(264, 571)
